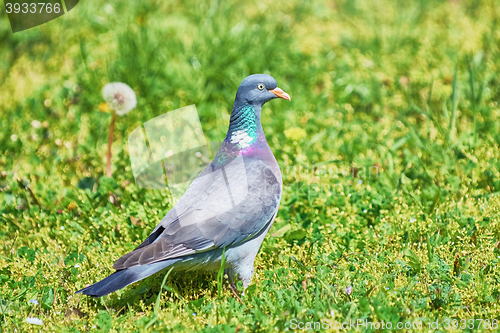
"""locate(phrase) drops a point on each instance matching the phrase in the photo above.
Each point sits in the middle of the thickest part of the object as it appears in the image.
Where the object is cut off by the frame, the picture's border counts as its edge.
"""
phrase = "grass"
(389, 151)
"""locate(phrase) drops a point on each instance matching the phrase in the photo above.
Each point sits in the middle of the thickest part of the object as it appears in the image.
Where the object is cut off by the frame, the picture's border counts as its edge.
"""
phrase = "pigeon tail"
(123, 278)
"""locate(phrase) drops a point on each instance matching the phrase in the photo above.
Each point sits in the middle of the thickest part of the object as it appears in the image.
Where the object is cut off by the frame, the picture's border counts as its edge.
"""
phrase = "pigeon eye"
(261, 86)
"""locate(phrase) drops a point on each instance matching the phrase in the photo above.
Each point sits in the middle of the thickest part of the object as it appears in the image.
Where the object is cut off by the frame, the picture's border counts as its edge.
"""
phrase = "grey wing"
(222, 207)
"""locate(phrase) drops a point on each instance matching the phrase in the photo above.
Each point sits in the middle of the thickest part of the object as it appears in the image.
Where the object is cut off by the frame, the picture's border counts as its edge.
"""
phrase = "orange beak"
(280, 93)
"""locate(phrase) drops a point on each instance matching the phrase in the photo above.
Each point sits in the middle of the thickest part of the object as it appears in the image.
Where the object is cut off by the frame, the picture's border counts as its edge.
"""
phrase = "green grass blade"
(157, 303)
(454, 104)
(220, 274)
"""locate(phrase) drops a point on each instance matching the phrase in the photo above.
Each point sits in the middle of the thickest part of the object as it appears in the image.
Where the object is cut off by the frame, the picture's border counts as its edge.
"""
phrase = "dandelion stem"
(110, 142)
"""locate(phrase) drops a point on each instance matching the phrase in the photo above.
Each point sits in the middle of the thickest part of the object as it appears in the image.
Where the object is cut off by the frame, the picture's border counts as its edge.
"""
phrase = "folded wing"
(222, 207)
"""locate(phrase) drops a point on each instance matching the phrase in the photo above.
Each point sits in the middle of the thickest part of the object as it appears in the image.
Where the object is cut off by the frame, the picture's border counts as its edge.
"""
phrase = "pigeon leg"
(232, 286)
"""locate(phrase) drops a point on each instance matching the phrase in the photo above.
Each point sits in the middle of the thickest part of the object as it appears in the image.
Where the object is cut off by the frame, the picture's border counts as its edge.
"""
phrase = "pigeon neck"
(244, 126)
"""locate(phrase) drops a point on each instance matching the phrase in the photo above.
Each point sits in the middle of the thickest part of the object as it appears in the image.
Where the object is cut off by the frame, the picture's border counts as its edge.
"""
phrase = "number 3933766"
(25, 14)
(32, 8)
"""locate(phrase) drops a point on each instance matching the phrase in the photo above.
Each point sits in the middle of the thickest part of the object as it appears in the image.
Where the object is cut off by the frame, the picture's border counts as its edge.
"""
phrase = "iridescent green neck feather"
(243, 126)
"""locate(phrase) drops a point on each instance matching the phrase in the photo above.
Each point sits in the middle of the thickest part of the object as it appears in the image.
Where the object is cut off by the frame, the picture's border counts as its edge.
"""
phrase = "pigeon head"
(258, 89)
(245, 128)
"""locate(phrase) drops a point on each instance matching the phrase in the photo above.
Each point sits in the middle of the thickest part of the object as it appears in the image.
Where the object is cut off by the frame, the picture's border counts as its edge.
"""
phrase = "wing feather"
(223, 207)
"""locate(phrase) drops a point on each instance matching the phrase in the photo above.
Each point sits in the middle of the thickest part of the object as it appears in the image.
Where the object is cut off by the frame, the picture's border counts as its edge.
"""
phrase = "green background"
(389, 151)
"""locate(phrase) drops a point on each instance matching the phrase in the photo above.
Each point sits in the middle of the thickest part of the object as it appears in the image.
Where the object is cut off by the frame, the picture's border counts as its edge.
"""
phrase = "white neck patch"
(241, 138)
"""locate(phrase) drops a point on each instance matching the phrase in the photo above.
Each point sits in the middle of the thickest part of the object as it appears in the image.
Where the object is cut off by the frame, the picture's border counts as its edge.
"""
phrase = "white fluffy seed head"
(34, 320)
(120, 97)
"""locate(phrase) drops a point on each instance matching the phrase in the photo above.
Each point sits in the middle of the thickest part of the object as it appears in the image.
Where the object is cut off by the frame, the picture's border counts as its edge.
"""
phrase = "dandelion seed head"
(120, 97)
(34, 321)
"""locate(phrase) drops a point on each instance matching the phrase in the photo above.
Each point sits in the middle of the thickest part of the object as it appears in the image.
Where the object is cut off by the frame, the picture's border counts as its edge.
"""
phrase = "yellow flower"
(104, 107)
(72, 206)
(295, 133)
